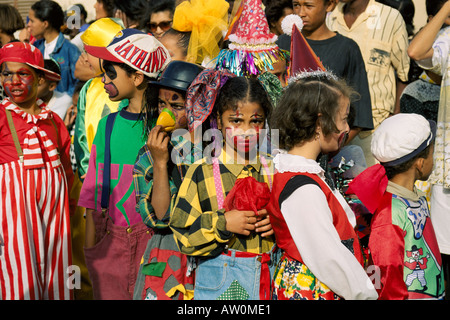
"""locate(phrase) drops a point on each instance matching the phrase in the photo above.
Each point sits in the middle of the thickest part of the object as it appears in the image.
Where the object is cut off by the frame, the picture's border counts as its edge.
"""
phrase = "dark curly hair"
(306, 103)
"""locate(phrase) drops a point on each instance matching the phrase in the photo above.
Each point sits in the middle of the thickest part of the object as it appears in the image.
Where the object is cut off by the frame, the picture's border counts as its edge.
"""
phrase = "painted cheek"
(111, 90)
(18, 89)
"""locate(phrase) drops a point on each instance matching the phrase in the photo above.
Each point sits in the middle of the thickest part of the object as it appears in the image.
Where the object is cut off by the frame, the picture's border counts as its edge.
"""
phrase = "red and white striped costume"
(35, 242)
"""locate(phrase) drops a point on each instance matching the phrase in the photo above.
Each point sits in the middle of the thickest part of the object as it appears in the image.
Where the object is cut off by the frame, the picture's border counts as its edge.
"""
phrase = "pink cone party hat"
(252, 49)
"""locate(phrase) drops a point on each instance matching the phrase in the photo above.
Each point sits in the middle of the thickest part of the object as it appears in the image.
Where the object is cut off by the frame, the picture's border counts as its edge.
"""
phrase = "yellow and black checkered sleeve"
(198, 227)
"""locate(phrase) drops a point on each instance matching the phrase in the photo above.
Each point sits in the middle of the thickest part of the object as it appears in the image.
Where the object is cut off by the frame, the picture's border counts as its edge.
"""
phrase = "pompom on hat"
(401, 137)
(26, 53)
(100, 33)
(303, 58)
(139, 50)
(252, 49)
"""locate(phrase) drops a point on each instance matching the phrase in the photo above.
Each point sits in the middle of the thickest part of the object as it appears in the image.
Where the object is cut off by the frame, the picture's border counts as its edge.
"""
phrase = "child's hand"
(157, 143)
(71, 114)
(263, 224)
(240, 222)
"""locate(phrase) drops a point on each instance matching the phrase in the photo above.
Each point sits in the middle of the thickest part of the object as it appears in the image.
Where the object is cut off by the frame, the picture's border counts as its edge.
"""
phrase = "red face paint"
(242, 142)
(19, 84)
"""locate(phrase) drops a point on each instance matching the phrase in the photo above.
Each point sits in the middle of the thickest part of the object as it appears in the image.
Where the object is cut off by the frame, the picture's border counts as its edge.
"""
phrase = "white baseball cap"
(141, 51)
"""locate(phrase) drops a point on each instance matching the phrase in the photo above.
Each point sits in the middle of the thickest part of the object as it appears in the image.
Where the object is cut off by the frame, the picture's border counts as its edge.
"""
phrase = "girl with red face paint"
(234, 247)
(312, 222)
(36, 176)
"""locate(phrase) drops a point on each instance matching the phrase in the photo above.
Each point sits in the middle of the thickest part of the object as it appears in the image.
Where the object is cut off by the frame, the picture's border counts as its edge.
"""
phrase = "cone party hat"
(303, 58)
(252, 49)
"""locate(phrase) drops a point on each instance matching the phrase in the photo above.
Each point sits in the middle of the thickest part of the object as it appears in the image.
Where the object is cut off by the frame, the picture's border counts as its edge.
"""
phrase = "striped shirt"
(197, 223)
(381, 34)
(35, 250)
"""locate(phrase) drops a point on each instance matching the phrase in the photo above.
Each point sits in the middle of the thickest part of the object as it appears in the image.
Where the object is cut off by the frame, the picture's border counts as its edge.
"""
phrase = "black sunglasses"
(164, 25)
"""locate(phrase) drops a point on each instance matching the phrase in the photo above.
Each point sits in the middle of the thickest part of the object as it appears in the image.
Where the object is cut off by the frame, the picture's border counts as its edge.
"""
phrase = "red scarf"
(32, 151)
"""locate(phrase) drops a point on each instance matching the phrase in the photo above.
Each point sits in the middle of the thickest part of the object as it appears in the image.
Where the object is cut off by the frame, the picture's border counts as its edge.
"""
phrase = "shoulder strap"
(107, 160)
(218, 183)
(293, 184)
(57, 134)
(12, 128)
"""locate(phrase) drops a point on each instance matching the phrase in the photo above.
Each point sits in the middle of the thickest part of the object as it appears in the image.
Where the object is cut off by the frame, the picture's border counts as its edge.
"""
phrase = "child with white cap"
(402, 242)
(116, 236)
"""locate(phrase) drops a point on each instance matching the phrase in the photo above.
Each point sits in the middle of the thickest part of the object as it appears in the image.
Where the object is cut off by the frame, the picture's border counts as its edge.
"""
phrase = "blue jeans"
(228, 277)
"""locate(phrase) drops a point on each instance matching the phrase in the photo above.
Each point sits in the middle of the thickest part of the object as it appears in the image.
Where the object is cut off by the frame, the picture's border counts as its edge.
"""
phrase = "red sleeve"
(387, 248)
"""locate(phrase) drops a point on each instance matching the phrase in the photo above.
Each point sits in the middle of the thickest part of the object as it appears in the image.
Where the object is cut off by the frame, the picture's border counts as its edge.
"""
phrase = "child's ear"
(138, 78)
(52, 86)
(419, 166)
(219, 123)
(41, 80)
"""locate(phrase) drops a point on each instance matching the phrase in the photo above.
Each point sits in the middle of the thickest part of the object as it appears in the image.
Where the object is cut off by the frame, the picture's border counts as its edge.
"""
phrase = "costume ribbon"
(202, 93)
(369, 186)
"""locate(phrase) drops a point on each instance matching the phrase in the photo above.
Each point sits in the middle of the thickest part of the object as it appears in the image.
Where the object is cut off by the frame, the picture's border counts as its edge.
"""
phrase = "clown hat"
(26, 53)
(100, 33)
(303, 58)
(139, 50)
(252, 49)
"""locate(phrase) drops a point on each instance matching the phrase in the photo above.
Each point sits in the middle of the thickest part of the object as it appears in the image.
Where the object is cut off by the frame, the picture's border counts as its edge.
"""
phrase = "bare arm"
(158, 145)
(421, 45)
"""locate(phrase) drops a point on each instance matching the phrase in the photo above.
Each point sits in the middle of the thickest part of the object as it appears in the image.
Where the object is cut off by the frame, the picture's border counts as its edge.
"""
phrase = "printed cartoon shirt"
(127, 138)
(411, 266)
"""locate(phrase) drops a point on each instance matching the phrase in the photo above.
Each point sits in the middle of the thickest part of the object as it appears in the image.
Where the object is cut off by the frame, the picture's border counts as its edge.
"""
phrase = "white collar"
(285, 162)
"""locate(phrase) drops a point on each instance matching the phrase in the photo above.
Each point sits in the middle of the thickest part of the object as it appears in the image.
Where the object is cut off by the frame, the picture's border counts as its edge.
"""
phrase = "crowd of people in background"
(225, 150)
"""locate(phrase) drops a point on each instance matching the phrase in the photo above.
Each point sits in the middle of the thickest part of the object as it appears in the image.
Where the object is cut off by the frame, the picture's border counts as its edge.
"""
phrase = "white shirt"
(49, 48)
(59, 103)
(310, 223)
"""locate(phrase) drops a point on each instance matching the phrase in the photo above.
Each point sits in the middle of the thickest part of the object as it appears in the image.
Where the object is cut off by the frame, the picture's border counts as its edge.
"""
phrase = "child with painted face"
(36, 178)
(313, 224)
(410, 267)
(234, 247)
(116, 236)
(160, 167)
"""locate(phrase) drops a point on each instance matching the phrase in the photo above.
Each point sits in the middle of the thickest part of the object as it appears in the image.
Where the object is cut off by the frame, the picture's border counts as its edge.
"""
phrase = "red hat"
(26, 53)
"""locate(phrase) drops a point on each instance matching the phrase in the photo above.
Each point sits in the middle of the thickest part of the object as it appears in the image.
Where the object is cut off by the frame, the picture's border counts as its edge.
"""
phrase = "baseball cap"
(26, 53)
(401, 137)
(100, 33)
(139, 50)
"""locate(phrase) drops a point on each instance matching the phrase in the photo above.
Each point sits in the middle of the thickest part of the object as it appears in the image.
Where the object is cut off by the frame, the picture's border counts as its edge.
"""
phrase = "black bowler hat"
(178, 75)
